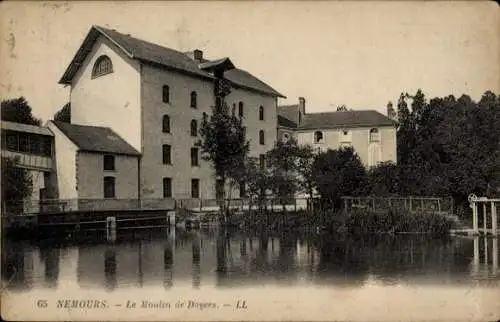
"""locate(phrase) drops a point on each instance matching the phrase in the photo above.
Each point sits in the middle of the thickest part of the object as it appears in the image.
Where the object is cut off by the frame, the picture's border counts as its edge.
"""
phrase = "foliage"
(449, 146)
(64, 114)
(224, 144)
(16, 182)
(19, 111)
(384, 179)
(339, 173)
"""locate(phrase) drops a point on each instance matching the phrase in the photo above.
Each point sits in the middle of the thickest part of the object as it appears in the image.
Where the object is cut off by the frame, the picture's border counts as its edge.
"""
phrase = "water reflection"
(235, 259)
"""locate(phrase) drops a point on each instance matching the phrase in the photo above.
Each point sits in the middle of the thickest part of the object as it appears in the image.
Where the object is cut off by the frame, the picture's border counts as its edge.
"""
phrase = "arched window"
(318, 137)
(261, 137)
(194, 128)
(166, 124)
(194, 97)
(240, 109)
(261, 113)
(102, 66)
(166, 94)
(374, 135)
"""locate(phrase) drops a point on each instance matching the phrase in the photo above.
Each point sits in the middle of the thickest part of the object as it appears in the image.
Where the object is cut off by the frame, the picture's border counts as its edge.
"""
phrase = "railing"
(29, 207)
(412, 204)
(30, 160)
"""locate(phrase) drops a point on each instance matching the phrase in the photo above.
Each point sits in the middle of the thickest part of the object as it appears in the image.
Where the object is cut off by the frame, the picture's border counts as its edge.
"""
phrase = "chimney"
(391, 113)
(302, 104)
(198, 55)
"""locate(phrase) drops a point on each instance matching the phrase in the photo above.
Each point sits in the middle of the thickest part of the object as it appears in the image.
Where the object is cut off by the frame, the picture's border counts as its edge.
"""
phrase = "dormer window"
(102, 67)
(318, 137)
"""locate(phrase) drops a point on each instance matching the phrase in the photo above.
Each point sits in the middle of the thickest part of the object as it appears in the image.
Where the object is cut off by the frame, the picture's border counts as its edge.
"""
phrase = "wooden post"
(422, 205)
(475, 227)
(345, 204)
(410, 205)
(485, 220)
(495, 254)
(475, 260)
(373, 203)
(493, 219)
(486, 251)
(439, 205)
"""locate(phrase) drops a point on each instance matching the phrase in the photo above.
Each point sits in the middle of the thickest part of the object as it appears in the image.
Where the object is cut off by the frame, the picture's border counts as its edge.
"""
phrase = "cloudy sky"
(361, 54)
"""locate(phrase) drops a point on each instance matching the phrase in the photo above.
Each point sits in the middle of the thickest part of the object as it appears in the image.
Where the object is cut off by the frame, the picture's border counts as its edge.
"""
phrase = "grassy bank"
(357, 223)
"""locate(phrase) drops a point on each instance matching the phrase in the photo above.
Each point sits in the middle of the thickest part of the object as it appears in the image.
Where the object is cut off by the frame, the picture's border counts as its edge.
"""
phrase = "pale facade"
(93, 163)
(145, 94)
(371, 134)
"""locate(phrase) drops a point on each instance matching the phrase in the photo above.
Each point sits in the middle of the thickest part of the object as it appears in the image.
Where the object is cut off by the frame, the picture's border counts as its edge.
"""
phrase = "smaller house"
(371, 134)
(32, 149)
(94, 164)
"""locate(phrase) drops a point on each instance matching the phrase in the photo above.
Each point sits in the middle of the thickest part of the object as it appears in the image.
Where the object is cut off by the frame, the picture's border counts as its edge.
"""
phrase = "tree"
(339, 173)
(282, 165)
(64, 114)
(384, 179)
(224, 144)
(257, 180)
(16, 182)
(19, 111)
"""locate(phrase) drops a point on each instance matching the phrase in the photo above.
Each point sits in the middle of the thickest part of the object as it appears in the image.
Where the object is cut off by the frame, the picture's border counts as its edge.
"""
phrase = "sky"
(361, 54)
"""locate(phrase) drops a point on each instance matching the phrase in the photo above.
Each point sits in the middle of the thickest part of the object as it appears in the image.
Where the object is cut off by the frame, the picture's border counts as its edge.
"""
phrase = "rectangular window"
(47, 147)
(194, 157)
(262, 161)
(12, 143)
(24, 143)
(109, 163)
(243, 190)
(109, 187)
(167, 188)
(167, 150)
(195, 188)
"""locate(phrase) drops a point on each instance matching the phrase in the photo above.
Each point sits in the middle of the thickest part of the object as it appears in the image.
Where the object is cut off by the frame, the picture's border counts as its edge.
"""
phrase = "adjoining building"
(371, 134)
(32, 148)
(93, 163)
(155, 98)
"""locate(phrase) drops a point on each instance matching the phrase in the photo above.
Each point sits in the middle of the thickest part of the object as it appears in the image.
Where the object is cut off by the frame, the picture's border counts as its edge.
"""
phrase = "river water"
(274, 276)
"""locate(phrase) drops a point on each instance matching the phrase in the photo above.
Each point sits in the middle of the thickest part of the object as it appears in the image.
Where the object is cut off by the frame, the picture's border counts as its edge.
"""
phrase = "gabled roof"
(345, 119)
(26, 128)
(96, 139)
(157, 55)
(284, 122)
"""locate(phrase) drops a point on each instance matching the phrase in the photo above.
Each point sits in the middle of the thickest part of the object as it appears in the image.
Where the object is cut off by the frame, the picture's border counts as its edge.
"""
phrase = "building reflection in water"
(110, 268)
(235, 259)
(196, 258)
(50, 258)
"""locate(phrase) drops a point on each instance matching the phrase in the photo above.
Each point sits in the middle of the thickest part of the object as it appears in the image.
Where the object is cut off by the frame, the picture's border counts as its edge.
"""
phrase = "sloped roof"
(161, 56)
(283, 121)
(26, 128)
(96, 139)
(366, 118)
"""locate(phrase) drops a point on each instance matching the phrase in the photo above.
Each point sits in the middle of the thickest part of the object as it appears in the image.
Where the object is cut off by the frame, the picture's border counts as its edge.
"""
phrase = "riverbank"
(361, 222)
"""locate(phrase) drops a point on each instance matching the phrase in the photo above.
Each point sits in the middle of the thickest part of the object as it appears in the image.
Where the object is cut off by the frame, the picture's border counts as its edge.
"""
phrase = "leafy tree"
(305, 169)
(282, 164)
(224, 144)
(64, 114)
(19, 111)
(339, 173)
(257, 180)
(16, 182)
(384, 179)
